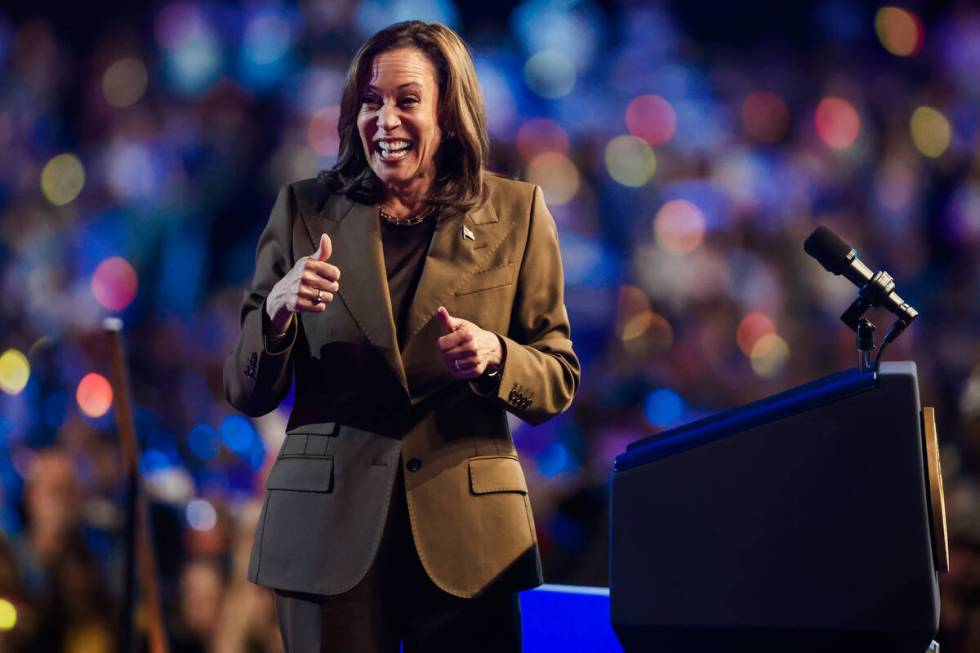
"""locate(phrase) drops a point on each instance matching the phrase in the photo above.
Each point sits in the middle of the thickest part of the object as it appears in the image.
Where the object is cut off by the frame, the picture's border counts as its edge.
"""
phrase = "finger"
(464, 350)
(315, 294)
(315, 281)
(464, 368)
(322, 269)
(448, 322)
(306, 305)
(465, 363)
(453, 340)
(325, 248)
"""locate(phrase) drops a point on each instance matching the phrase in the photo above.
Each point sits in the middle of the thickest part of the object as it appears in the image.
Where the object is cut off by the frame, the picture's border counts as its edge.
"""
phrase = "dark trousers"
(397, 602)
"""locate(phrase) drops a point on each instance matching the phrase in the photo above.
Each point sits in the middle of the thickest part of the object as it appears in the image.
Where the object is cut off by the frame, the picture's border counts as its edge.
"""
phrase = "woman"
(414, 298)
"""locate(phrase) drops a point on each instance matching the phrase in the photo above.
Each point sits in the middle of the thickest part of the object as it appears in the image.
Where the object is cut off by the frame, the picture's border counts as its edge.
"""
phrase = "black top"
(405, 248)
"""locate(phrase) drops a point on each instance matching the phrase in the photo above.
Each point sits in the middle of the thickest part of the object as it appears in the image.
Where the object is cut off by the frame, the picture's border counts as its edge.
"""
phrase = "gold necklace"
(407, 222)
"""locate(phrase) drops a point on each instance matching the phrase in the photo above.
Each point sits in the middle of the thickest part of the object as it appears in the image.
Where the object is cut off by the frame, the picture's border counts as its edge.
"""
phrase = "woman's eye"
(410, 100)
(370, 100)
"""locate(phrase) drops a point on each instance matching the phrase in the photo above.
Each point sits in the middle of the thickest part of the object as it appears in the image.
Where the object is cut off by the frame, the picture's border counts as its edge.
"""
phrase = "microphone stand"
(874, 293)
(865, 344)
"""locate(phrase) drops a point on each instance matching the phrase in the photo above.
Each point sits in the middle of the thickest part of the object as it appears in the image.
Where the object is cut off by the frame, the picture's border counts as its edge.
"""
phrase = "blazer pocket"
(490, 474)
(302, 475)
(502, 275)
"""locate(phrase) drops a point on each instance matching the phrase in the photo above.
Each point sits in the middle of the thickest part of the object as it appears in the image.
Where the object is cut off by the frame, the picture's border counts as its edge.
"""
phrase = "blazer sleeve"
(258, 373)
(541, 371)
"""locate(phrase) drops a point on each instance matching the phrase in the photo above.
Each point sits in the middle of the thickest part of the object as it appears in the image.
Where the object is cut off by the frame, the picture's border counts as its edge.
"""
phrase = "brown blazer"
(362, 407)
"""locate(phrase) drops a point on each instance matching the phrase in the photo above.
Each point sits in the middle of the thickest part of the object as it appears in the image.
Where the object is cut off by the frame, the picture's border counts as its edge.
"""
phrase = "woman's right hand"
(308, 287)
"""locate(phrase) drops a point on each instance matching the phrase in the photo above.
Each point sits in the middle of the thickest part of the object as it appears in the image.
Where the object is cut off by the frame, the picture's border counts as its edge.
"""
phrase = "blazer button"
(414, 464)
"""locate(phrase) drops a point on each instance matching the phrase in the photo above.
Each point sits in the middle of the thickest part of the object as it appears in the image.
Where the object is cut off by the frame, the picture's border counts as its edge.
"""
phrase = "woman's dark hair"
(462, 118)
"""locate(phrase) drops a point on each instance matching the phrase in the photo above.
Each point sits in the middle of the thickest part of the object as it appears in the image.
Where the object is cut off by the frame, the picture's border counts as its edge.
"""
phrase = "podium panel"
(799, 523)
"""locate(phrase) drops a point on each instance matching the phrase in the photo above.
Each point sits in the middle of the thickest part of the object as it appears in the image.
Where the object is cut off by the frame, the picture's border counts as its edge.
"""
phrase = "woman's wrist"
(278, 322)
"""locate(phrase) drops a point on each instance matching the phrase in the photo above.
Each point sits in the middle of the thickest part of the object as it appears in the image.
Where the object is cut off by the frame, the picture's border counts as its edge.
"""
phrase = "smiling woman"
(397, 510)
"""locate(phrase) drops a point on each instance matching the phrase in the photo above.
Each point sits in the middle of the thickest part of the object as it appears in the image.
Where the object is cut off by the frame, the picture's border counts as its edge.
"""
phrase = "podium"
(812, 520)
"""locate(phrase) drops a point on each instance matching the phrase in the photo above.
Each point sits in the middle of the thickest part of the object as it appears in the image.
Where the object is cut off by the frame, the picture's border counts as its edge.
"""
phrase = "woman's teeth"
(393, 150)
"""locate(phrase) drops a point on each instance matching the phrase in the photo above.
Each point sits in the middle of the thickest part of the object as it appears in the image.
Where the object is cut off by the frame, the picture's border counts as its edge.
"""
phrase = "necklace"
(406, 222)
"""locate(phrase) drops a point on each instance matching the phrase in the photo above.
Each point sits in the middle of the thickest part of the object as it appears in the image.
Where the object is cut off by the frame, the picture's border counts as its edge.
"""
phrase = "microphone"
(876, 289)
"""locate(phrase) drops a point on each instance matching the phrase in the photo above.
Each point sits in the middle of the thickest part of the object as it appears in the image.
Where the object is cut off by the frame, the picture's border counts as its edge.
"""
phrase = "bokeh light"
(15, 371)
(539, 135)
(557, 176)
(322, 133)
(769, 356)
(679, 226)
(899, 30)
(62, 179)
(550, 74)
(204, 441)
(573, 29)
(237, 433)
(753, 326)
(267, 37)
(94, 395)
(124, 82)
(651, 118)
(8, 615)
(895, 183)
(837, 122)
(135, 175)
(931, 131)
(114, 283)
(630, 160)
(201, 515)
(663, 407)
(374, 15)
(192, 53)
(765, 116)
(646, 332)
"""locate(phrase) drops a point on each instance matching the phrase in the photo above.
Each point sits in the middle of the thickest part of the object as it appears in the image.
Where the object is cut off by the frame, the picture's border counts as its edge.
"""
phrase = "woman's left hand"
(466, 349)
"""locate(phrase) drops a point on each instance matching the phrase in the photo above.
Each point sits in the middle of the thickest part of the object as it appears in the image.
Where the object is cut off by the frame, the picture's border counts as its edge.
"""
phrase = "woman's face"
(398, 119)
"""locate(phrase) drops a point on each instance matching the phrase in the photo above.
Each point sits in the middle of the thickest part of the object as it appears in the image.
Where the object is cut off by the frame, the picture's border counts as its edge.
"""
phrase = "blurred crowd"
(685, 149)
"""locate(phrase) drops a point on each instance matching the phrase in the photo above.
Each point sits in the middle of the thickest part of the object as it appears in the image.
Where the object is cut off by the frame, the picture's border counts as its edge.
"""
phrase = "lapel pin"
(467, 233)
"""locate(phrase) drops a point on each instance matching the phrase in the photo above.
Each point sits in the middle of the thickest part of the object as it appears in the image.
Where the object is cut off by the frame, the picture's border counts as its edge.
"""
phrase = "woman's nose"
(388, 117)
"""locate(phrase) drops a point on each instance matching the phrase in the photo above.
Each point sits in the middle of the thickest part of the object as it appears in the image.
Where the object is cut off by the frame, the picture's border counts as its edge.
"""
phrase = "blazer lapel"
(461, 245)
(356, 242)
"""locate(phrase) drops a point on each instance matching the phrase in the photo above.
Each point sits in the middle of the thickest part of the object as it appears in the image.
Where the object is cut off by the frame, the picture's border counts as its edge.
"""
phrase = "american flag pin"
(467, 233)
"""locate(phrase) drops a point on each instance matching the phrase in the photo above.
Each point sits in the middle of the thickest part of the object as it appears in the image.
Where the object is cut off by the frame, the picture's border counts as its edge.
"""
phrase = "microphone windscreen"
(830, 250)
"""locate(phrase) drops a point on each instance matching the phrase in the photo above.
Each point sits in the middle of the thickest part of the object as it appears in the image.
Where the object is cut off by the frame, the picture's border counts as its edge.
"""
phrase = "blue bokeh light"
(204, 441)
(237, 433)
(153, 460)
(375, 15)
(663, 407)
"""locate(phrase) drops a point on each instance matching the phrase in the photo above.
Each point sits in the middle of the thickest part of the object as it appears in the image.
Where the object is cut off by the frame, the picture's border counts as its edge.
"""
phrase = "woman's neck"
(406, 201)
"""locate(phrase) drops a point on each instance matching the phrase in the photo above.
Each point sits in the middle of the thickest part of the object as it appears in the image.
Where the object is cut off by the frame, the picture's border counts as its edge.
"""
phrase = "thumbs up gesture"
(466, 349)
(308, 287)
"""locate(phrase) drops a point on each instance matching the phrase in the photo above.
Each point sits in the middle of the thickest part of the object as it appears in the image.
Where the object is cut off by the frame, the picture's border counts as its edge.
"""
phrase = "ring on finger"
(319, 297)
(456, 364)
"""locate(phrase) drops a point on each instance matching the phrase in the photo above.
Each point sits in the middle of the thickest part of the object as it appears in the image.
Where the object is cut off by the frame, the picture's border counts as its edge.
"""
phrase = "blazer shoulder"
(313, 198)
(510, 196)
(499, 185)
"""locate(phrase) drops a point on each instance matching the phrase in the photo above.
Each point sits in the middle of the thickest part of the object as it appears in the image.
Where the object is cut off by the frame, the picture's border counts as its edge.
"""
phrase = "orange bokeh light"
(94, 395)
(752, 327)
(651, 118)
(765, 116)
(540, 135)
(114, 283)
(837, 122)
(900, 31)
